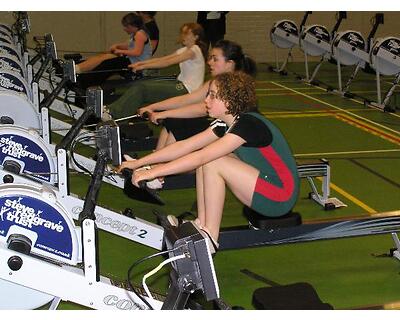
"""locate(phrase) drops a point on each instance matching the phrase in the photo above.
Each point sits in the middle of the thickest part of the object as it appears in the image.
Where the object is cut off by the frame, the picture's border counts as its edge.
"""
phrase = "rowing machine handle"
(303, 22)
(146, 116)
(127, 174)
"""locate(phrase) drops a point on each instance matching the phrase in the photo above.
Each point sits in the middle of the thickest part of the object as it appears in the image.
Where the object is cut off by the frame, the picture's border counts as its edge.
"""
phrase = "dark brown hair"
(233, 51)
(132, 19)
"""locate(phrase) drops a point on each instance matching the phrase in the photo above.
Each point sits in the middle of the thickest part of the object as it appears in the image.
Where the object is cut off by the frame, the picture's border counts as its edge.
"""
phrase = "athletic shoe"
(173, 221)
(212, 243)
(176, 221)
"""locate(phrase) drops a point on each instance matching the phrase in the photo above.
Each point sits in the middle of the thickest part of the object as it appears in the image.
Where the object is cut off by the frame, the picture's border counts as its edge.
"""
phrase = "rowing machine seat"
(296, 296)
(259, 221)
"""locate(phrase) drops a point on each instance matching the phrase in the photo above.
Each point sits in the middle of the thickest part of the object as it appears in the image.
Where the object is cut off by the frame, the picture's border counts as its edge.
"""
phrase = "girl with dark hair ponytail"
(119, 56)
(233, 51)
(186, 115)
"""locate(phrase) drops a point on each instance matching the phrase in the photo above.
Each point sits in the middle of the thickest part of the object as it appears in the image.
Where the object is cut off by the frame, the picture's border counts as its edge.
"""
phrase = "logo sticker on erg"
(27, 151)
(9, 82)
(16, 149)
(26, 216)
(9, 64)
(31, 213)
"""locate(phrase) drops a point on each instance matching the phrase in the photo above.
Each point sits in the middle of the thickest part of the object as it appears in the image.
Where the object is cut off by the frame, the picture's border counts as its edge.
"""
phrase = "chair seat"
(262, 222)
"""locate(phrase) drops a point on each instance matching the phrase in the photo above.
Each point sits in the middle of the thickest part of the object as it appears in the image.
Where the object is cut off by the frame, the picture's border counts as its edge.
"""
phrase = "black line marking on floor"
(363, 166)
(258, 277)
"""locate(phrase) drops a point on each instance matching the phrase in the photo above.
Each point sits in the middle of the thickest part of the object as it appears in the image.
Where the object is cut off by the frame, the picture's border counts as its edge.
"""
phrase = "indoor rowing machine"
(315, 41)
(285, 34)
(40, 268)
(385, 59)
(26, 158)
(350, 48)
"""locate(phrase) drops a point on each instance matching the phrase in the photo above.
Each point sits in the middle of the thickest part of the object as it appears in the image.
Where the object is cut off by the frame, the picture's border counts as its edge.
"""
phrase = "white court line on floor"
(319, 154)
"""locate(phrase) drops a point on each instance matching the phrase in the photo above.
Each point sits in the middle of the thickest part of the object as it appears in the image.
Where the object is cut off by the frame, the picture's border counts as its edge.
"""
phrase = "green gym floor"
(363, 147)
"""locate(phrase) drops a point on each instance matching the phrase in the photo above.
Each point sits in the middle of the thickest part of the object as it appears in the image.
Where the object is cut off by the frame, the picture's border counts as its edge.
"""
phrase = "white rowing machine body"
(10, 49)
(284, 34)
(385, 56)
(315, 40)
(17, 109)
(348, 47)
(11, 63)
(26, 150)
(11, 80)
(34, 216)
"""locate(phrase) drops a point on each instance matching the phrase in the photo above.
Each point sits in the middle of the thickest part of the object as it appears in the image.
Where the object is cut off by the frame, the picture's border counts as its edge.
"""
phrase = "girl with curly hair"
(241, 149)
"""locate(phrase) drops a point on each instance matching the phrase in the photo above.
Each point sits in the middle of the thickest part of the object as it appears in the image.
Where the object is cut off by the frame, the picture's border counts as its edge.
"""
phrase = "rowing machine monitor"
(107, 150)
(50, 46)
(94, 106)
(69, 74)
(107, 140)
(69, 71)
(24, 22)
(94, 100)
(194, 272)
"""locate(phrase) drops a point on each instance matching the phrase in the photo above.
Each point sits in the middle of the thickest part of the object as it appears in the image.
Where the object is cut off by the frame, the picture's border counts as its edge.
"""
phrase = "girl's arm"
(140, 39)
(194, 97)
(219, 148)
(191, 111)
(167, 61)
(152, 60)
(115, 46)
(173, 151)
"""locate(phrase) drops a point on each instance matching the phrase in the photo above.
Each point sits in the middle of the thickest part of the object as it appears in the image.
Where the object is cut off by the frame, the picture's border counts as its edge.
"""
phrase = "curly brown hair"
(237, 90)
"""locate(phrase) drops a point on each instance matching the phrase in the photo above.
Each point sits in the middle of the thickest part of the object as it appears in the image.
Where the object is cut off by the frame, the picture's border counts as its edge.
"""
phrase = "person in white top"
(191, 60)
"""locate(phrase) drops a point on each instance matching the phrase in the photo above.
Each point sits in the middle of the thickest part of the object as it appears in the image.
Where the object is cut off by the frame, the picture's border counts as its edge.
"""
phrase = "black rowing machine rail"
(276, 233)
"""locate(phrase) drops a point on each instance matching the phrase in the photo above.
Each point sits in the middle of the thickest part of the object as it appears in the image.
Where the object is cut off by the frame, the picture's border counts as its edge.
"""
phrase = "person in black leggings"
(119, 56)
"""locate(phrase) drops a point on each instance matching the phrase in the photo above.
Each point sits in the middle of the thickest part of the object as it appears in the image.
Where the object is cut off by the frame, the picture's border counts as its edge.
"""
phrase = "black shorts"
(186, 128)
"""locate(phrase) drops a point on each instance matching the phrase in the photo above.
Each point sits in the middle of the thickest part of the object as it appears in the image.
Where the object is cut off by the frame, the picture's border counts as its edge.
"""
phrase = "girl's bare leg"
(165, 139)
(162, 139)
(201, 206)
(237, 175)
